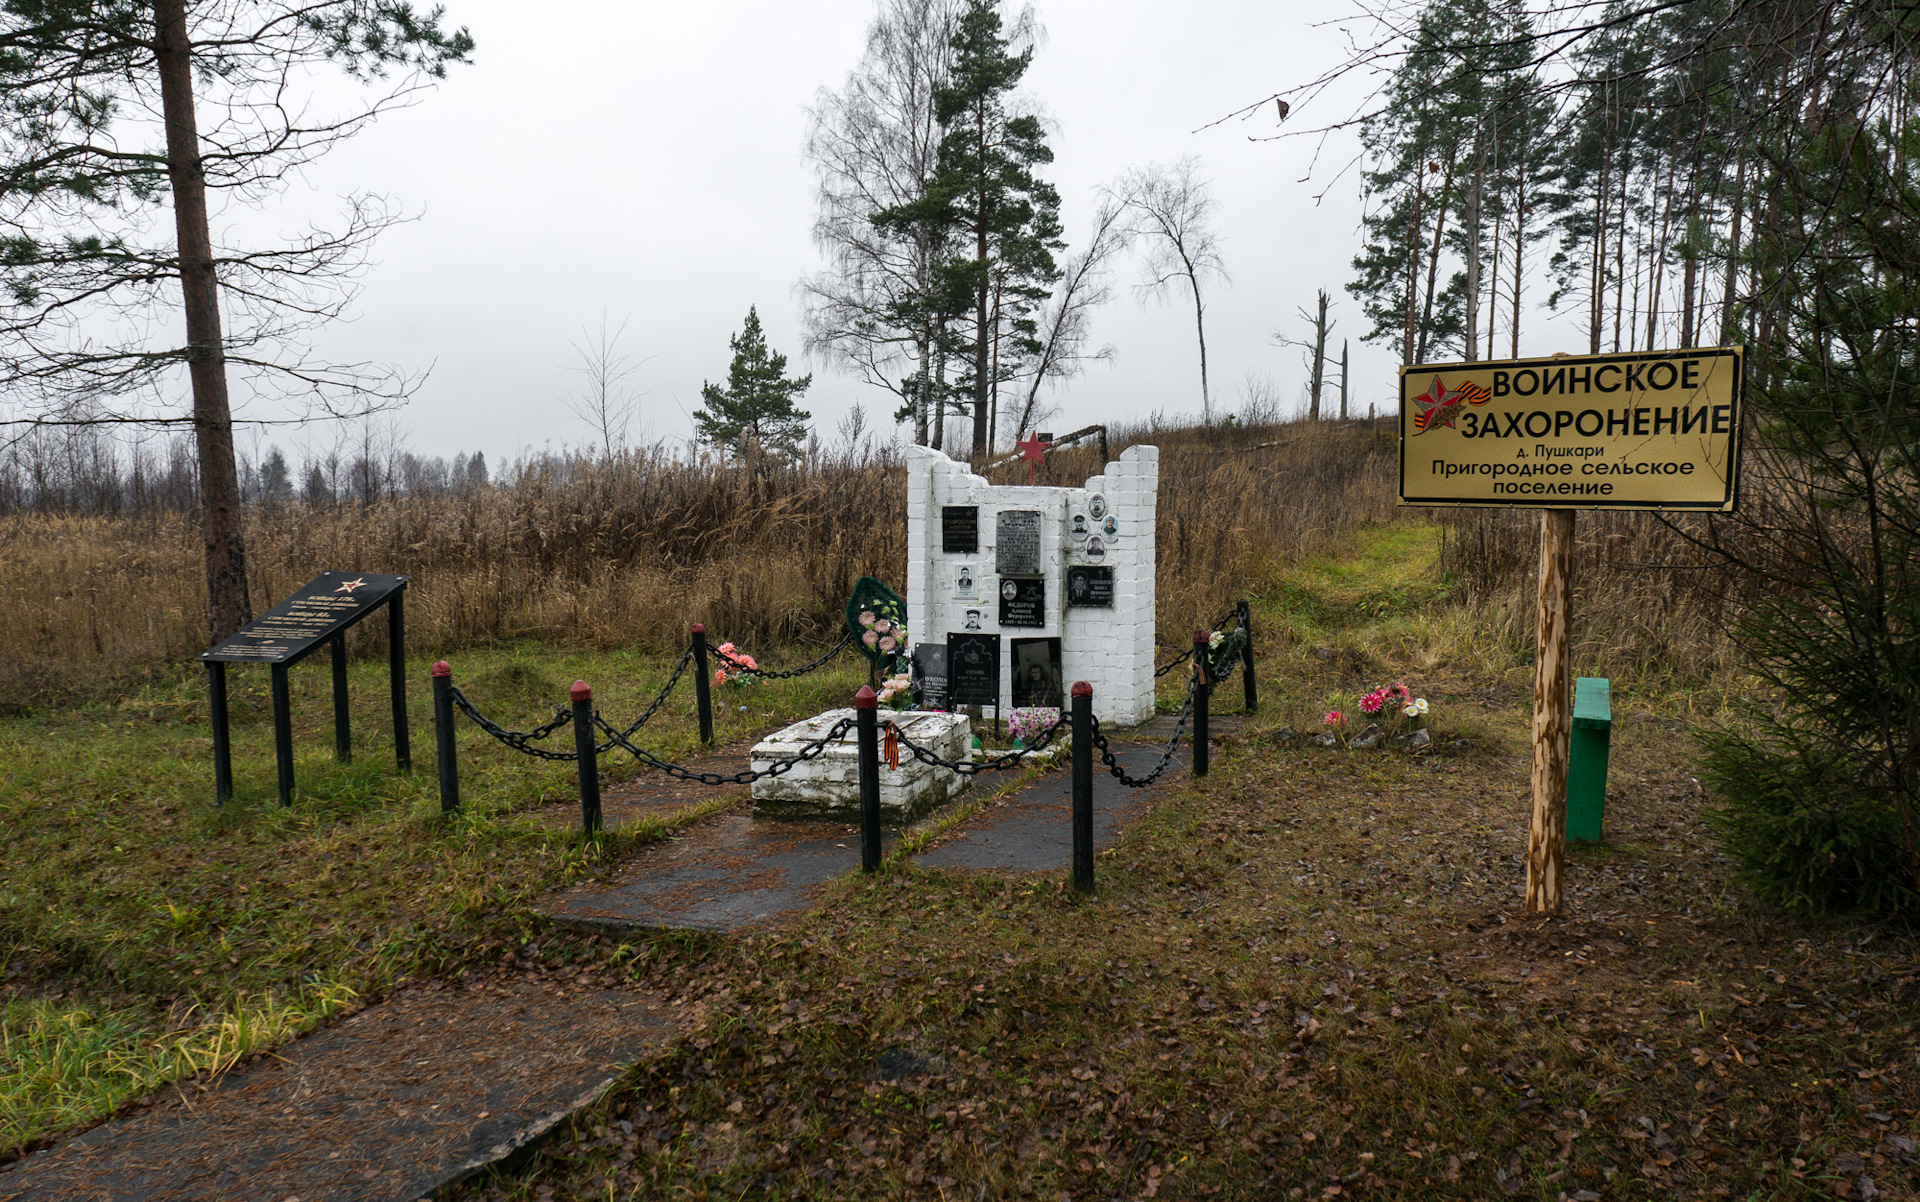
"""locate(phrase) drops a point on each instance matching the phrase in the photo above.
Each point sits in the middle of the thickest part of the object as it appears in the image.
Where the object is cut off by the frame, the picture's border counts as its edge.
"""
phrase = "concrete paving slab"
(734, 872)
(395, 1102)
(1031, 830)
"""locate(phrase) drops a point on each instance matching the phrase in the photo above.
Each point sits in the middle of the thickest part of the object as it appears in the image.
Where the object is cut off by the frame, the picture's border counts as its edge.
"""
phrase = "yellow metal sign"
(1647, 430)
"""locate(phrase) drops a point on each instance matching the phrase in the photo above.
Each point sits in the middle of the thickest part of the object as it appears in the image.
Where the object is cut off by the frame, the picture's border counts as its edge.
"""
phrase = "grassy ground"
(1304, 976)
(145, 935)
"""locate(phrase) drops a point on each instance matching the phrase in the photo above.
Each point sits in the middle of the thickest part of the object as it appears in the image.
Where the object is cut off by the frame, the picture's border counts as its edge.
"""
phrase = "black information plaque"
(316, 616)
(1090, 587)
(293, 629)
(1023, 602)
(1016, 548)
(959, 529)
(930, 673)
(973, 669)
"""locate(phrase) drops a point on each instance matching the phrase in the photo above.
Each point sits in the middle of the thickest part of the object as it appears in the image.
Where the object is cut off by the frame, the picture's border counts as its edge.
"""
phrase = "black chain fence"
(1107, 757)
(808, 751)
(522, 740)
(1012, 759)
(846, 640)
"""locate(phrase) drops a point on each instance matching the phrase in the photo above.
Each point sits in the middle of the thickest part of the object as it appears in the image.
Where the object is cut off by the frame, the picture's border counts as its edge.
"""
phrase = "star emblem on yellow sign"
(350, 585)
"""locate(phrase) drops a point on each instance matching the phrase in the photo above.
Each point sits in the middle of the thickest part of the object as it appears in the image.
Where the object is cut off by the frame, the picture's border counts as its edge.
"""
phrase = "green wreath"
(877, 619)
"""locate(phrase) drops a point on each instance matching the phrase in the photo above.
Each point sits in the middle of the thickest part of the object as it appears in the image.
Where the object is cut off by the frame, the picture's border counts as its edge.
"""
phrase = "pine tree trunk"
(1733, 250)
(980, 330)
(1413, 258)
(1433, 265)
(228, 608)
(1519, 247)
(1472, 338)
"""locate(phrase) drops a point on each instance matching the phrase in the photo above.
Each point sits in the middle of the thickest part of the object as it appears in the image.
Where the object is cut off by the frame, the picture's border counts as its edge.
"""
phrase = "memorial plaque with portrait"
(1023, 602)
(1090, 587)
(1016, 550)
(973, 669)
(1036, 673)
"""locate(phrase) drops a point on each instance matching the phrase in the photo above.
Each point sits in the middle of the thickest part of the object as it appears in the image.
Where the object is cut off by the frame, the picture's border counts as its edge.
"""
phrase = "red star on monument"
(1033, 449)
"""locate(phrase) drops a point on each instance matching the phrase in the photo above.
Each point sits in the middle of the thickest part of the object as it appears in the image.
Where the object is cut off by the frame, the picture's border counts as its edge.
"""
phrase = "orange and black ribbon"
(893, 747)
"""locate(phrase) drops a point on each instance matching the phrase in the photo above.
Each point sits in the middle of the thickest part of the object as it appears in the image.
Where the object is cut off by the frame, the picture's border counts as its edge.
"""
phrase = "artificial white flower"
(1416, 707)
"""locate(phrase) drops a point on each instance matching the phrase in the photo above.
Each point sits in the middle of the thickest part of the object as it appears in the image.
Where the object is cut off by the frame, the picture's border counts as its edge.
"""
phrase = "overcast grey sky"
(645, 160)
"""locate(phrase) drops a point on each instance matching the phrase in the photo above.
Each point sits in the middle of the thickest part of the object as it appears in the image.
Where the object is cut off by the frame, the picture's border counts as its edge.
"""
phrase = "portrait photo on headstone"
(965, 585)
(1096, 547)
(973, 619)
(1078, 527)
(1036, 673)
(1097, 506)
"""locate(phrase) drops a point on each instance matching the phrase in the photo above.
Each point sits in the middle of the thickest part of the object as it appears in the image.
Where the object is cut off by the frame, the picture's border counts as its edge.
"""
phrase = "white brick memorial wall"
(1109, 523)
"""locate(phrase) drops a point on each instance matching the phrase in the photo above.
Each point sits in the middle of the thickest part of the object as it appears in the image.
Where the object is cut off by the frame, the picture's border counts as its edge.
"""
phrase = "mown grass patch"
(134, 915)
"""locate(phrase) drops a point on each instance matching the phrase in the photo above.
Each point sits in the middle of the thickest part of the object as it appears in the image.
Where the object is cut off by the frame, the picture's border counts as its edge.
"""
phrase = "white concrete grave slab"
(1089, 581)
(829, 786)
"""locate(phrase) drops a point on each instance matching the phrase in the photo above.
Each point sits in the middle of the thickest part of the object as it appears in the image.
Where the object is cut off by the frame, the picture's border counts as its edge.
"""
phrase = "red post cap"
(581, 692)
(1202, 636)
(866, 698)
(442, 668)
(1082, 688)
(699, 628)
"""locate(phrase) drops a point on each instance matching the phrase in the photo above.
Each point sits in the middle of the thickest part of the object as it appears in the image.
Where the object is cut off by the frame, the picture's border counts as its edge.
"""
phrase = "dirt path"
(391, 1103)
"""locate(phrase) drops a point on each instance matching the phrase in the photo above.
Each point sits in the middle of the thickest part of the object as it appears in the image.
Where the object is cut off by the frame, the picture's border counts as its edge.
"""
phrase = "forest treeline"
(1640, 179)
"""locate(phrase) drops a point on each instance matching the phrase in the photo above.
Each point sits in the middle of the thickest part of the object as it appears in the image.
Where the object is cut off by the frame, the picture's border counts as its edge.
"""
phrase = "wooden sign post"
(1644, 430)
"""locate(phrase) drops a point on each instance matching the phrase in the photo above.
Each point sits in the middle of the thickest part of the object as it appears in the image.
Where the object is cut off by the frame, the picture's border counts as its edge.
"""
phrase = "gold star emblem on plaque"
(350, 585)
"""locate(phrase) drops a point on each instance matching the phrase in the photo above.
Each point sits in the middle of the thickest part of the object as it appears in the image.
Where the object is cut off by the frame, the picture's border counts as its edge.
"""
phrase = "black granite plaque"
(959, 529)
(973, 669)
(1090, 587)
(1016, 548)
(290, 630)
(1036, 673)
(930, 674)
(1023, 602)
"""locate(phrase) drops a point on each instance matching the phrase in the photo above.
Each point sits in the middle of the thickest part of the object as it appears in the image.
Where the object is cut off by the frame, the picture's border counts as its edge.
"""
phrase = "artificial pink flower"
(1334, 718)
(882, 625)
(870, 638)
(887, 643)
(866, 617)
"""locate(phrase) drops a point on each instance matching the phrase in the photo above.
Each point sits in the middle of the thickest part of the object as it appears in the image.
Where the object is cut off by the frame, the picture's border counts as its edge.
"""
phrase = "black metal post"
(397, 672)
(443, 736)
(222, 747)
(1083, 786)
(342, 731)
(867, 734)
(702, 687)
(583, 745)
(283, 733)
(1202, 685)
(1246, 656)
